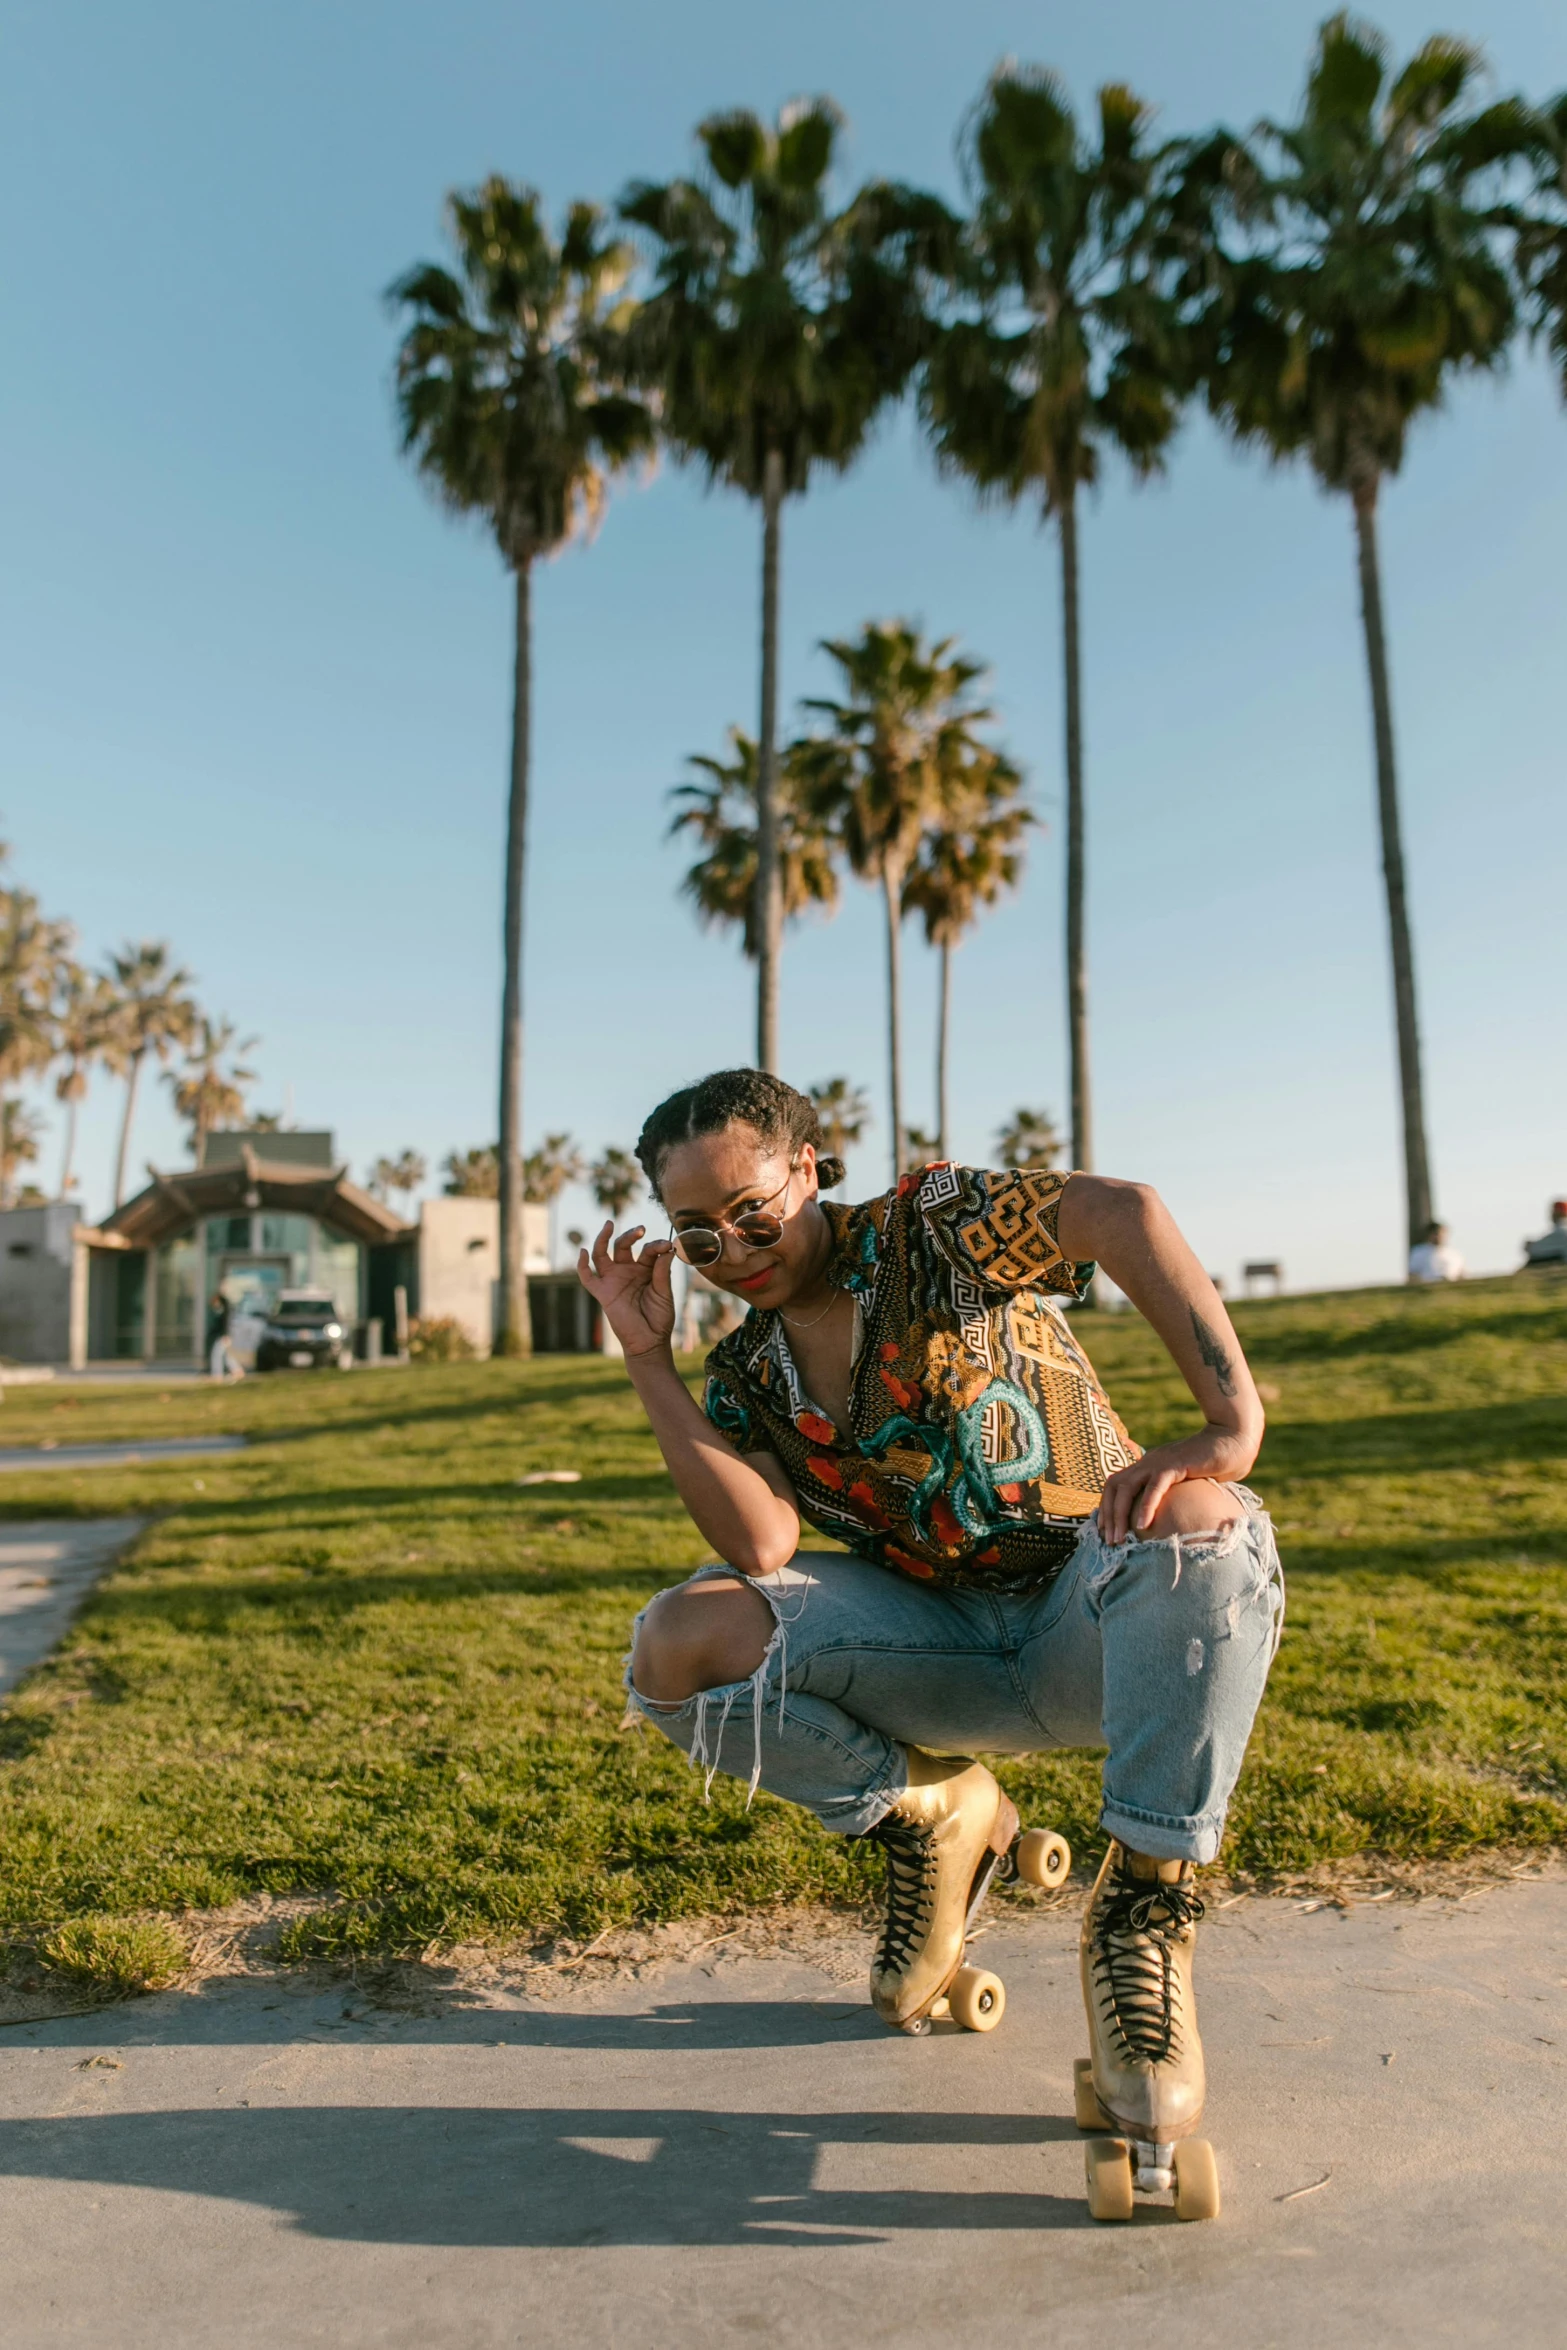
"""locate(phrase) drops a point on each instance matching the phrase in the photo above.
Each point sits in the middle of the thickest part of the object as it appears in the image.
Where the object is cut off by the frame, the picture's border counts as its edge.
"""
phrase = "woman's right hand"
(636, 1292)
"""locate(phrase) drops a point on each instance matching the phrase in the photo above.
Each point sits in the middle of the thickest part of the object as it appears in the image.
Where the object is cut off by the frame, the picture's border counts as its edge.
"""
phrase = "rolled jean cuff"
(868, 1809)
(1160, 1837)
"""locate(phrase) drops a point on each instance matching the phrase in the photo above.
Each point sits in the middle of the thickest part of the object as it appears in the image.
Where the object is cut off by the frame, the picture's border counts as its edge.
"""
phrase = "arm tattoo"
(1213, 1354)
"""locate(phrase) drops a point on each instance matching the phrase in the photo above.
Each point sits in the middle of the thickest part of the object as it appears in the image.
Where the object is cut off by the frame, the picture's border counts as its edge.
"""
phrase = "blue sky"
(255, 690)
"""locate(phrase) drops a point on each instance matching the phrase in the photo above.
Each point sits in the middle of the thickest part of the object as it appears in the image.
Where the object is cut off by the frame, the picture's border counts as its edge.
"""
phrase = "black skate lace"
(911, 1874)
(1135, 1931)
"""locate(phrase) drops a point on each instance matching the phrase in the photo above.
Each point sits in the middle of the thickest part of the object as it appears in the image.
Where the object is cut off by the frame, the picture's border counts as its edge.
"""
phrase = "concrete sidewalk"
(47, 1568)
(729, 2151)
(128, 1454)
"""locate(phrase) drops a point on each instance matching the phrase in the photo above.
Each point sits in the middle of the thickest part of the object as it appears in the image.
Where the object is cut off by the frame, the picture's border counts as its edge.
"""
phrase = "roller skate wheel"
(1196, 2180)
(1090, 2114)
(976, 1999)
(918, 2028)
(1044, 1858)
(1107, 2163)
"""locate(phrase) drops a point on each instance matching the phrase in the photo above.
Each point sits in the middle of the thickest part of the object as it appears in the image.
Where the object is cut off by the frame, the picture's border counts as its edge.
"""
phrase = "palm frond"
(1346, 76)
(1078, 254)
(900, 744)
(510, 379)
(1433, 82)
(774, 328)
(721, 813)
(1375, 269)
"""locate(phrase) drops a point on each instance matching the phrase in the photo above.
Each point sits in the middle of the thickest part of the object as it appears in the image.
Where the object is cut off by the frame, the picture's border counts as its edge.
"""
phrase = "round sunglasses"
(703, 1244)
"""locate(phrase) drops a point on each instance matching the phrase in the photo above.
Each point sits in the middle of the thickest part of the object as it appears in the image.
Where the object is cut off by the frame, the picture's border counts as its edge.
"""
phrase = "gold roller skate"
(948, 1836)
(1145, 2079)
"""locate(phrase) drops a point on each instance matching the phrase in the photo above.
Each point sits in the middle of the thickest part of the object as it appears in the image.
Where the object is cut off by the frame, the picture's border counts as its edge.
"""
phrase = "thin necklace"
(815, 1318)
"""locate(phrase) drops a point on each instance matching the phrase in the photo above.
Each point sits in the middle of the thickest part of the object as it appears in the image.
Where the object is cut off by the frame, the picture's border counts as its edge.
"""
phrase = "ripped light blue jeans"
(1157, 1650)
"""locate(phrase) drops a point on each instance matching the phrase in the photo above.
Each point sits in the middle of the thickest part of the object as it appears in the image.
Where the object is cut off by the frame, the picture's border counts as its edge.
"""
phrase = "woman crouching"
(1022, 1577)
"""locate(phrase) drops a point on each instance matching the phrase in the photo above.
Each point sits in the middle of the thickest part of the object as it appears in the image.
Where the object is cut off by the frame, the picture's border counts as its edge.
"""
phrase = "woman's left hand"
(1128, 1229)
(1132, 1496)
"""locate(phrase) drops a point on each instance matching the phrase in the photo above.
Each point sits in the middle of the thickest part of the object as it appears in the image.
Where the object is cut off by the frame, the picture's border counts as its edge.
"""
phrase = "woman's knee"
(699, 1636)
(1198, 1506)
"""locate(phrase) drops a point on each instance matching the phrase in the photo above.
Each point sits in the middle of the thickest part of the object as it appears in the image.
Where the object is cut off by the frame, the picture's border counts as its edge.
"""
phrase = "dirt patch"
(241, 1940)
(1341, 1884)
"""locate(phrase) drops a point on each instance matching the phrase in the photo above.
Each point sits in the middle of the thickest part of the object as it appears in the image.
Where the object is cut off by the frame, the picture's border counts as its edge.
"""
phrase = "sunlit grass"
(360, 1660)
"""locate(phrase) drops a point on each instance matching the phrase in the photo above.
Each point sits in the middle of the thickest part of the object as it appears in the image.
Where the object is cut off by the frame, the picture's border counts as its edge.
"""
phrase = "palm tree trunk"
(943, 1029)
(892, 885)
(1076, 949)
(1417, 1165)
(769, 885)
(132, 1079)
(71, 1105)
(515, 1335)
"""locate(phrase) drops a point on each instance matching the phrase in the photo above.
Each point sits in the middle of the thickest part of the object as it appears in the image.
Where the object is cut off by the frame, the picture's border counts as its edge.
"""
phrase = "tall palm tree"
(616, 1179)
(546, 1173)
(210, 1090)
(880, 769)
(511, 410)
(1541, 233)
(85, 1038)
(971, 854)
(19, 1136)
(844, 1111)
(156, 1012)
(1366, 271)
(723, 814)
(403, 1174)
(35, 954)
(472, 1174)
(1069, 346)
(774, 333)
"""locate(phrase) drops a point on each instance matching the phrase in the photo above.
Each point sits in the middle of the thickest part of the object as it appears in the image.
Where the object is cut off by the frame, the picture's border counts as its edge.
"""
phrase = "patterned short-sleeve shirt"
(979, 1437)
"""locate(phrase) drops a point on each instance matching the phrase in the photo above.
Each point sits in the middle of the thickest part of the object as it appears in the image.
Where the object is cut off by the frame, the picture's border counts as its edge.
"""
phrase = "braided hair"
(782, 1118)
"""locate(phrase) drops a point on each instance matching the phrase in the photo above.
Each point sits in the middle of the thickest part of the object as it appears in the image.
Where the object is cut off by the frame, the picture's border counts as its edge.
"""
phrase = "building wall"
(39, 1282)
(460, 1261)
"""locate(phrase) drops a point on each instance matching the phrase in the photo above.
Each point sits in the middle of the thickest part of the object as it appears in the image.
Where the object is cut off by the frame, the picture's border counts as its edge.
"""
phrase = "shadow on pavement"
(697, 2024)
(488, 2176)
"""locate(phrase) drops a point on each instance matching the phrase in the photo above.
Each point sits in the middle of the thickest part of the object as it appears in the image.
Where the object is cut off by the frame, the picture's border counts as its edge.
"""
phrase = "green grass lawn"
(358, 1660)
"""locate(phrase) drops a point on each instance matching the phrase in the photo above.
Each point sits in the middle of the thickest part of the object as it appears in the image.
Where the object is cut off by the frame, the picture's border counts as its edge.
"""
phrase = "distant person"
(1551, 1247)
(222, 1362)
(1022, 1574)
(1435, 1258)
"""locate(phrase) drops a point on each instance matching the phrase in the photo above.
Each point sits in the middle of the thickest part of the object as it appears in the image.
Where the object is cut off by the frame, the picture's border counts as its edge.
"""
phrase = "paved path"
(112, 1456)
(47, 1568)
(725, 2153)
